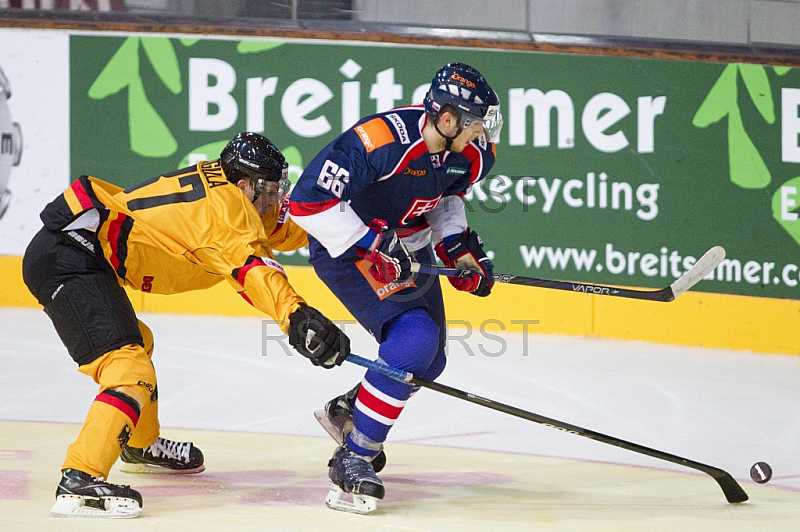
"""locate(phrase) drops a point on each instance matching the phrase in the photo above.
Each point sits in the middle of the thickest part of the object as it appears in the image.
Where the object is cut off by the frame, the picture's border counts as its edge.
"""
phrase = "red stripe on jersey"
(416, 150)
(120, 405)
(474, 155)
(378, 406)
(246, 268)
(246, 298)
(81, 194)
(113, 239)
(306, 209)
(404, 107)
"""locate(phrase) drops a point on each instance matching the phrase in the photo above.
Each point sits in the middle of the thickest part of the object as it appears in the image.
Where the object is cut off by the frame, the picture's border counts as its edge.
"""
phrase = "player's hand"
(317, 338)
(387, 253)
(465, 251)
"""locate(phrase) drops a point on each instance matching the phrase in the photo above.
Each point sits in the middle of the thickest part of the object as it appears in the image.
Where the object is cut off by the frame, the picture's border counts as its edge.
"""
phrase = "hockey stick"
(712, 258)
(732, 490)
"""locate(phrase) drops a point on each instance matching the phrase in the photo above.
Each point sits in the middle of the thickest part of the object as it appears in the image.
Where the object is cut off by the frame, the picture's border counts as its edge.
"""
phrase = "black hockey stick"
(701, 268)
(732, 490)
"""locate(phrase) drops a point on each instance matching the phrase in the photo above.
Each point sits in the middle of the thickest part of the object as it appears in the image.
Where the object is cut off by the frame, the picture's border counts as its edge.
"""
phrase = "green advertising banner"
(610, 170)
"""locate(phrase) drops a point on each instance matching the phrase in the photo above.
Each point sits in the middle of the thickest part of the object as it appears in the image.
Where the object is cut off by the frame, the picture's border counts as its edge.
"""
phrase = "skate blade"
(157, 469)
(332, 430)
(362, 504)
(112, 507)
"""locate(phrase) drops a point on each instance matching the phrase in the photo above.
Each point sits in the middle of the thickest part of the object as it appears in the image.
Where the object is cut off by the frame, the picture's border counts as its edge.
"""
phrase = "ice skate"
(82, 495)
(164, 456)
(337, 420)
(353, 474)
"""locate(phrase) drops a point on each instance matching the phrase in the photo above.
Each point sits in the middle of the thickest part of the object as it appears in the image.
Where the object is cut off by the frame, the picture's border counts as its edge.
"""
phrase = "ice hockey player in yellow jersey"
(217, 221)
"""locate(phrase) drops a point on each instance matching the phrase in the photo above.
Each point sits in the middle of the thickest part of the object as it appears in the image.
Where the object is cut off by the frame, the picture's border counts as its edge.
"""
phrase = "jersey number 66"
(333, 178)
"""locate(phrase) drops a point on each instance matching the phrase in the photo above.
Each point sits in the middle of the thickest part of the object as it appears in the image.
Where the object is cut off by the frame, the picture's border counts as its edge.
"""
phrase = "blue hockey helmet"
(250, 155)
(465, 90)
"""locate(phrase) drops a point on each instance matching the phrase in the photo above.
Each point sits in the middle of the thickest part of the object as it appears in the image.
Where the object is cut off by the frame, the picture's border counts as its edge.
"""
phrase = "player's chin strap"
(449, 140)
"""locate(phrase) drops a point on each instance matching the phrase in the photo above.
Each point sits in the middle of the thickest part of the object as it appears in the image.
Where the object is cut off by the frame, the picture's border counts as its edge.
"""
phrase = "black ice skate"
(337, 420)
(164, 456)
(353, 474)
(80, 494)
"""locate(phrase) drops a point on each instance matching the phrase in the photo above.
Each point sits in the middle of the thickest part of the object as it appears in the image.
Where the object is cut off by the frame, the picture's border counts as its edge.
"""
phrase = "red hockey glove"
(465, 251)
(388, 255)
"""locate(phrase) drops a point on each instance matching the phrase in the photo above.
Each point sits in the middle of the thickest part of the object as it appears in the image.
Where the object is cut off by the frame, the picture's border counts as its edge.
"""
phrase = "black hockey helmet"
(250, 155)
(465, 90)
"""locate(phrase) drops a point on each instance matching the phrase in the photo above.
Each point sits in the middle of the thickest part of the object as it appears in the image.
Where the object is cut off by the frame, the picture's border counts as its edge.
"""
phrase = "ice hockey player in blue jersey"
(383, 195)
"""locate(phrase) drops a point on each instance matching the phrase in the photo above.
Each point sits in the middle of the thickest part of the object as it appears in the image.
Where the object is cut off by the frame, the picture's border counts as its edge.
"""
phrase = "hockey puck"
(761, 472)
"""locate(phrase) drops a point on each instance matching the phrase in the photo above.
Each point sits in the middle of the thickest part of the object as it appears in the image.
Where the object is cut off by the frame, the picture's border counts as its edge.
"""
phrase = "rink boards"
(696, 318)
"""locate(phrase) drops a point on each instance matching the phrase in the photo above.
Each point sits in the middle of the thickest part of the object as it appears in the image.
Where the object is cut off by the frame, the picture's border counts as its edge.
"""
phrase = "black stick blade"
(732, 490)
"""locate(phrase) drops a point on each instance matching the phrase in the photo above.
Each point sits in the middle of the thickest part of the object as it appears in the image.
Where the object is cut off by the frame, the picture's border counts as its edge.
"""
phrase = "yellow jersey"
(185, 230)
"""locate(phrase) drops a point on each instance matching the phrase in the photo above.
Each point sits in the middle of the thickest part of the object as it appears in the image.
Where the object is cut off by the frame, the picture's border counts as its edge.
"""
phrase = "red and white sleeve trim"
(336, 228)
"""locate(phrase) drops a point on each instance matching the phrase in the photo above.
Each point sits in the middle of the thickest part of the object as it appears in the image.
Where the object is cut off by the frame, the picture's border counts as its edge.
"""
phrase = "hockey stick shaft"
(732, 490)
(701, 268)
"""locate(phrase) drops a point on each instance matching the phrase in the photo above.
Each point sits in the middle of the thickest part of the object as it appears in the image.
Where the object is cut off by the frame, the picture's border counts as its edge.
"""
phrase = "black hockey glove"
(465, 251)
(317, 338)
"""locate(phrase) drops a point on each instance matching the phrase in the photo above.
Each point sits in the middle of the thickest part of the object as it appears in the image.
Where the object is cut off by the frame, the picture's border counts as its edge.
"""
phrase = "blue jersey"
(381, 168)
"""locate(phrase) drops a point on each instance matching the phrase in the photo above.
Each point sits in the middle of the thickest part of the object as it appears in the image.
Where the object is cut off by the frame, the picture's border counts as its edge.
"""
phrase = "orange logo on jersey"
(383, 290)
(374, 134)
(415, 173)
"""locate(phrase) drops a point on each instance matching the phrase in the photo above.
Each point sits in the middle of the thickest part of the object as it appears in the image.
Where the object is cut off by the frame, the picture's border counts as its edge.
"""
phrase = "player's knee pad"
(138, 393)
(411, 341)
(128, 366)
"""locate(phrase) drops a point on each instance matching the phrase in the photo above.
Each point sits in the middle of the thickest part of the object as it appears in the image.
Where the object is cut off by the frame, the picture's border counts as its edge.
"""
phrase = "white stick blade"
(701, 268)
